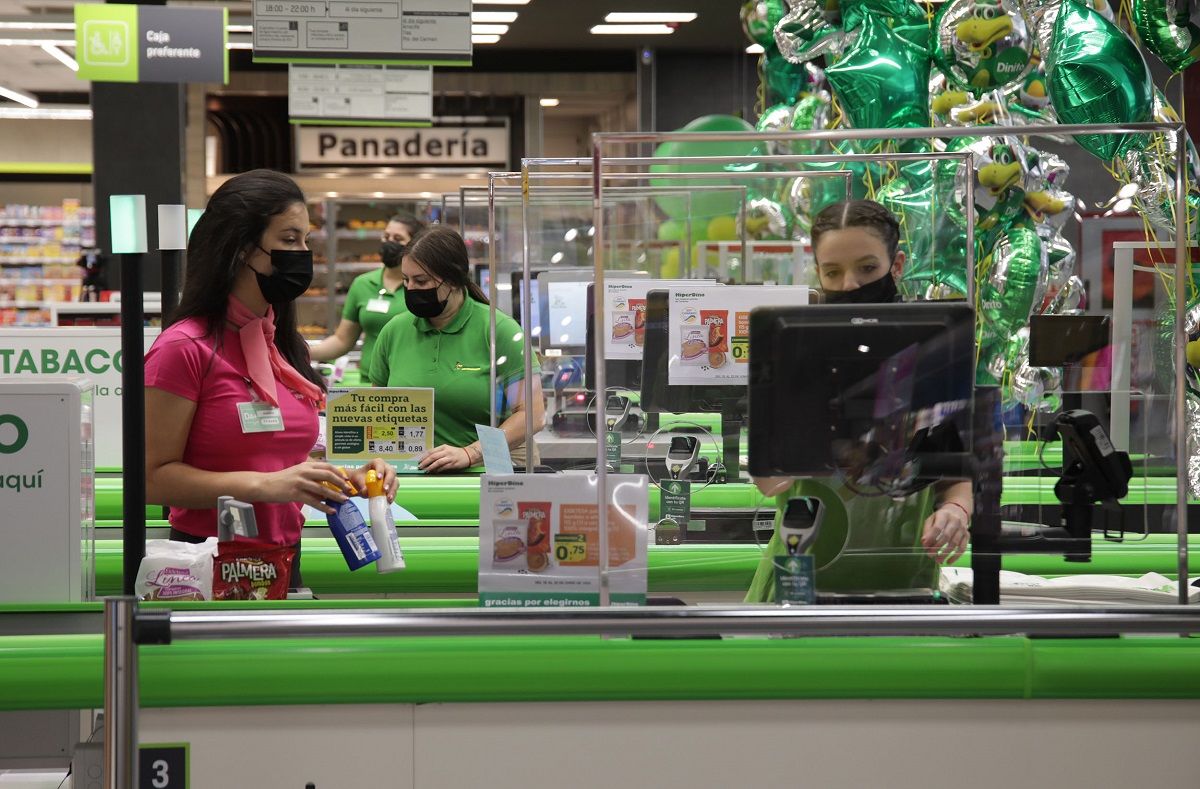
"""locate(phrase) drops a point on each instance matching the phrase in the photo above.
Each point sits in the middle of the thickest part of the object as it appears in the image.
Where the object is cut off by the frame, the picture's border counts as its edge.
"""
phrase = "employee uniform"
(213, 373)
(454, 361)
(371, 306)
(865, 544)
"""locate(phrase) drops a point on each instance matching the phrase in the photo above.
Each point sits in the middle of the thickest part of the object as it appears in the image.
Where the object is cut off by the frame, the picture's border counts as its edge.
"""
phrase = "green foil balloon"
(811, 112)
(705, 204)
(881, 81)
(904, 17)
(1097, 75)
(1011, 279)
(785, 81)
(759, 18)
(1166, 29)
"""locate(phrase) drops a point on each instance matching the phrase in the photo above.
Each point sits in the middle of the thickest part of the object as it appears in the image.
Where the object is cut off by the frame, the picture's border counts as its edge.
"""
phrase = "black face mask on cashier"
(391, 253)
(425, 303)
(881, 291)
(292, 273)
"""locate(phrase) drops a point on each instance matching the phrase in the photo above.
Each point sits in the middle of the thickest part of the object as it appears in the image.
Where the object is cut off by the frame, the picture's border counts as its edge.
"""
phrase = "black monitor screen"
(518, 300)
(859, 390)
(660, 397)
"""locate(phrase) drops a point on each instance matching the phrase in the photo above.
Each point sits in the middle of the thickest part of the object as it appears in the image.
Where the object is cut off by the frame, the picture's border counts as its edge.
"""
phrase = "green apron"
(866, 543)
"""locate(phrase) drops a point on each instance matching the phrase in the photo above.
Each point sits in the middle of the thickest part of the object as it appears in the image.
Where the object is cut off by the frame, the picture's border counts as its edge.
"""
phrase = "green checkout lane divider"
(450, 565)
(66, 672)
(452, 498)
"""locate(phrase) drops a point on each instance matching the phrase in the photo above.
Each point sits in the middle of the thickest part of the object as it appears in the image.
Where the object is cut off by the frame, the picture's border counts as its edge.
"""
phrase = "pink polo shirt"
(184, 362)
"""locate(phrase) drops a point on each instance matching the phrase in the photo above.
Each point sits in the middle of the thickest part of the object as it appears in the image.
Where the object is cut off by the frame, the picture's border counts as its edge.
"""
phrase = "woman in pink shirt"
(231, 399)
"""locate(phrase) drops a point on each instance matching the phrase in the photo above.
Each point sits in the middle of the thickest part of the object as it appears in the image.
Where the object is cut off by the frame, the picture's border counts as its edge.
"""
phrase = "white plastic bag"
(173, 570)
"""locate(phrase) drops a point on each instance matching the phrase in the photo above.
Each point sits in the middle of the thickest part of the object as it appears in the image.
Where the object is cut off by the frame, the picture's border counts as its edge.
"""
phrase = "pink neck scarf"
(263, 360)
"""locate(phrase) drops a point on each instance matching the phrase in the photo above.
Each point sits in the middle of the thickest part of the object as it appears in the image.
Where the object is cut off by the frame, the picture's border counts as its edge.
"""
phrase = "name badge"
(260, 417)
(378, 305)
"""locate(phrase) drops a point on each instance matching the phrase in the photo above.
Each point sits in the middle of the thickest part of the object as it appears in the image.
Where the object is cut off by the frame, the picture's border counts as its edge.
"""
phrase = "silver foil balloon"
(1040, 16)
(777, 118)
(1193, 444)
(982, 44)
(767, 220)
(806, 32)
(1053, 169)
(1069, 299)
(1060, 257)
(1050, 206)
(799, 199)
(1191, 322)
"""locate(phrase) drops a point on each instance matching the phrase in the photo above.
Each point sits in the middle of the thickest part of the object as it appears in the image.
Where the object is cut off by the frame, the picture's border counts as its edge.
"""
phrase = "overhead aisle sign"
(390, 32)
(362, 94)
(131, 43)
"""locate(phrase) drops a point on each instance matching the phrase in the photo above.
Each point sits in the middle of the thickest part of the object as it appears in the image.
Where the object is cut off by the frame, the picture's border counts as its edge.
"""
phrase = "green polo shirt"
(363, 300)
(454, 362)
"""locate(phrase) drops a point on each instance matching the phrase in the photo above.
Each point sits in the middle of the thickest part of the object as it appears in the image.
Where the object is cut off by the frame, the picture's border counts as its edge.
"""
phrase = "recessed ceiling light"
(489, 30)
(499, 17)
(60, 56)
(37, 25)
(47, 113)
(548, 102)
(485, 39)
(632, 30)
(19, 97)
(755, 49)
(36, 42)
(240, 28)
(643, 17)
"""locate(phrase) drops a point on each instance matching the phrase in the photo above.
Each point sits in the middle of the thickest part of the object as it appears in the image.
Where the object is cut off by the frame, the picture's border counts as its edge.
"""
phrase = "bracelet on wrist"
(960, 507)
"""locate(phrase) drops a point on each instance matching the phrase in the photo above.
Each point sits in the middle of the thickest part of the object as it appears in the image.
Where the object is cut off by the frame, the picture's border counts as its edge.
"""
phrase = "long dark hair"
(443, 253)
(858, 213)
(234, 221)
(410, 222)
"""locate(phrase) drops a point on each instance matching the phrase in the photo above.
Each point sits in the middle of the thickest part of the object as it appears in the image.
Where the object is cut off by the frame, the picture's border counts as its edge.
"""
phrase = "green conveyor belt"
(450, 565)
(65, 672)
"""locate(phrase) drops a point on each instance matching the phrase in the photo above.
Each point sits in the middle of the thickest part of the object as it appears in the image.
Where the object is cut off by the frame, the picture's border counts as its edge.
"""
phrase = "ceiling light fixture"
(239, 45)
(46, 113)
(498, 17)
(37, 25)
(60, 56)
(36, 42)
(548, 102)
(489, 30)
(755, 49)
(19, 97)
(485, 39)
(643, 17)
(240, 28)
(632, 30)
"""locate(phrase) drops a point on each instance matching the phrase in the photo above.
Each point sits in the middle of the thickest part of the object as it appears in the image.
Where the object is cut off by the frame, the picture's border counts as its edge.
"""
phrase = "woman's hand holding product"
(384, 470)
(305, 483)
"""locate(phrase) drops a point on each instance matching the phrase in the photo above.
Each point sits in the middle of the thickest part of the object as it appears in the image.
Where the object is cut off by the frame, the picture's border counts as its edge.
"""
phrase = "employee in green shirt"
(443, 342)
(373, 299)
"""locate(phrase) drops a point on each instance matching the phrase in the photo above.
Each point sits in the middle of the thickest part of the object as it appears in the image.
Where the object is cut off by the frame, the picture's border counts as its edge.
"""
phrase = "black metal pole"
(170, 281)
(133, 415)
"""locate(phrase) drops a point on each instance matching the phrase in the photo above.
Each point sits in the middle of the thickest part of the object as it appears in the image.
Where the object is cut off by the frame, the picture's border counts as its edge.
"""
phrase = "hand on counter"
(445, 458)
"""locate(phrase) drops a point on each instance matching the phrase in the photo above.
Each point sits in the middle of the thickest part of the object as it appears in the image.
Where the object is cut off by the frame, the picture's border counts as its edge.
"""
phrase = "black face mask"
(291, 275)
(392, 252)
(881, 291)
(425, 303)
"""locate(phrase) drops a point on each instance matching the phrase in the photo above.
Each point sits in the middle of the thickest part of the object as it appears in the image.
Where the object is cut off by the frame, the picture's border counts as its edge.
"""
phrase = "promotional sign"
(320, 147)
(625, 313)
(539, 540)
(709, 330)
(46, 489)
(132, 43)
(370, 94)
(395, 424)
(92, 353)
(401, 32)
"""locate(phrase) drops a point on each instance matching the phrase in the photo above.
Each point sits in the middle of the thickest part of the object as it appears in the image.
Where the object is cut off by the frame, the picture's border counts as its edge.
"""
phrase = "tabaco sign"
(336, 147)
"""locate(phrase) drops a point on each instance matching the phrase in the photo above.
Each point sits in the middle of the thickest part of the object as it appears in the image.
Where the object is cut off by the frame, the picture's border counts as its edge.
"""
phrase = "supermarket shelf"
(23, 304)
(35, 261)
(14, 222)
(24, 281)
(26, 240)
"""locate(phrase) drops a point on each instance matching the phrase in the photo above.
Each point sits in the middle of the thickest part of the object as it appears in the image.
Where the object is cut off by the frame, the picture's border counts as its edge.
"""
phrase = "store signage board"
(132, 43)
(360, 94)
(94, 354)
(539, 540)
(709, 330)
(392, 32)
(46, 489)
(335, 147)
(395, 424)
(625, 313)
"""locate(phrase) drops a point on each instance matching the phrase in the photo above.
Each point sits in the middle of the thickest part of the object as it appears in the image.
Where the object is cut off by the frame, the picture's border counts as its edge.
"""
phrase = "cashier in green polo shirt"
(374, 298)
(443, 342)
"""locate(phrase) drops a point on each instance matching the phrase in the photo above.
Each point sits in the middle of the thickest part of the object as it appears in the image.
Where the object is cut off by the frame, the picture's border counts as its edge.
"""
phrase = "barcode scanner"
(682, 456)
(800, 525)
(616, 412)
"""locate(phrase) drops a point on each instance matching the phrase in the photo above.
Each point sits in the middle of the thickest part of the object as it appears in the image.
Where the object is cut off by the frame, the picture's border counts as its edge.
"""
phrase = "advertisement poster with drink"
(709, 330)
(625, 313)
(539, 540)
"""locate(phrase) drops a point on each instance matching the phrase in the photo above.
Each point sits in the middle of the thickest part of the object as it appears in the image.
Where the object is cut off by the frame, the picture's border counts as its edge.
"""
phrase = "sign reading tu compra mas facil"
(130, 43)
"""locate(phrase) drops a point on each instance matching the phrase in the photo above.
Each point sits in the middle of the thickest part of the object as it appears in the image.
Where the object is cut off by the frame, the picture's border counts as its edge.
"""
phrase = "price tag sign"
(163, 766)
(395, 424)
(570, 548)
(739, 347)
(795, 580)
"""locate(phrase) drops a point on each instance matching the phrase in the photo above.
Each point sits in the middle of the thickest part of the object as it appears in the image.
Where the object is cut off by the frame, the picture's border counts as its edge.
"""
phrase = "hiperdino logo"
(12, 440)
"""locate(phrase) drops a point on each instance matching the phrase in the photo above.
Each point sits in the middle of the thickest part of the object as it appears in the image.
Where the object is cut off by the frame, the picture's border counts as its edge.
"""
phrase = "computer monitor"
(861, 391)
(517, 279)
(563, 299)
(483, 276)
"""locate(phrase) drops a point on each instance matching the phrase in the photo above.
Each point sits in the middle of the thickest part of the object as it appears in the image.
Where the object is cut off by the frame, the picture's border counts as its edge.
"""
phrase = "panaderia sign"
(373, 147)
